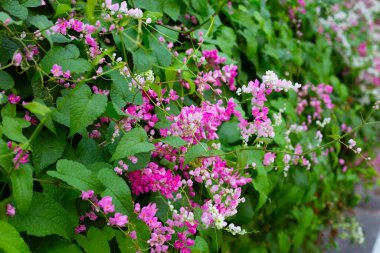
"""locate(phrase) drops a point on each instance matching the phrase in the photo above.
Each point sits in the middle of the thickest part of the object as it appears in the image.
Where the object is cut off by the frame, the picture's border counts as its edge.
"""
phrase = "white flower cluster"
(324, 122)
(271, 80)
(345, 24)
(235, 230)
(122, 8)
(143, 79)
(278, 116)
(376, 106)
(293, 129)
(318, 137)
(216, 216)
(352, 144)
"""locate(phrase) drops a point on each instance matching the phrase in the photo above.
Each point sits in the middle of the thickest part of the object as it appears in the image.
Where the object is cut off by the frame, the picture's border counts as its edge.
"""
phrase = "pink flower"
(92, 216)
(154, 178)
(76, 25)
(13, 99)
(302, 3)
(11, 210)
(21, 157)
(173, 95)
(106, 204)
(56, 70)
(362, 49)
(79, 229)
(133, 159)
(119, 220)
(133, 235)
(67, 74)
(61, 26)
(17, 58)
(269, 158)
(87, 194)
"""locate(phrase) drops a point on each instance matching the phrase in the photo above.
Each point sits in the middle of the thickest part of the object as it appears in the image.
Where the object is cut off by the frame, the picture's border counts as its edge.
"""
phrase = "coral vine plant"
(153, 126)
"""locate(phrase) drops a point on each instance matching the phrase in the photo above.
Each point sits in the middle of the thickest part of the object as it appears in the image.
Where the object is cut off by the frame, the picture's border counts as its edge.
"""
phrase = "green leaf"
(200, 246)
(117, 188)
(188, 77)
(120, 92)
(143, 160)
(229, 132)
(200, 7)
(95, 241)
(151, 5)
(11, 241)
(198, 150)
(6, 81)
(172, 8)
(143, 60)
(59, 246)
(62, 113)
(14, 8)
(261, 184)
(89, 152)
(66, 57)
(76, 175)
(37, 108)
(131, 143)
(127, 245)
(85, 108)
(22, 188)
(174, 141)
(4, 17)
(30, 3)
(227, 38)
(283, 242)
(7, 48)
(62, 10)
(125, 242)
(45, 217)
(162, 53)
(3, 99)
(12, 128)
(90, 8)
(42, 112)
(47, 149)
(5, 156)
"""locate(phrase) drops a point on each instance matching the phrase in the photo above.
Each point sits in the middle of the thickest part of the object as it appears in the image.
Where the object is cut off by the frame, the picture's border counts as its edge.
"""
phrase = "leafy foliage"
(164, 126)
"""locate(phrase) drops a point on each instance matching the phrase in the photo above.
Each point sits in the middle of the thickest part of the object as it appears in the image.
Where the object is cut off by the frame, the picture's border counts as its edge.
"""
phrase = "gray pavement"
(368, 215)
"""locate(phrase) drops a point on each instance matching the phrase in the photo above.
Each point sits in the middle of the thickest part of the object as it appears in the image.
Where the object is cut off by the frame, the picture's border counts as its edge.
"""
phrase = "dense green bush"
(172, 126)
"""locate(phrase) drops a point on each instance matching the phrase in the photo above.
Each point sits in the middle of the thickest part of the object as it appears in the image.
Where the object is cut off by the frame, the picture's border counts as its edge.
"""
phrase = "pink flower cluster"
(224, 185)
(214, 73)
(13, 99)
(156, 179)
(106, 206)
(21, 156)
(122, 9)
(269, 158)
(11, 210)
(143, 112)
(74, 26)
(162, 234)
(262, 124)
(322, 96)
(194, 123)
(62, 76)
